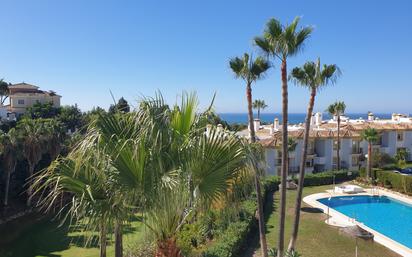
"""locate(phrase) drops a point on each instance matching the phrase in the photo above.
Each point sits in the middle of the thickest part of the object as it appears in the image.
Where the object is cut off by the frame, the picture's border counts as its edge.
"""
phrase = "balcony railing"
(356, 150)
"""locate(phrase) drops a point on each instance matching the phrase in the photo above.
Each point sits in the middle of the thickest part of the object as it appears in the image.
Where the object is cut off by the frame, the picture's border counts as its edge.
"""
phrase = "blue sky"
(83, 49)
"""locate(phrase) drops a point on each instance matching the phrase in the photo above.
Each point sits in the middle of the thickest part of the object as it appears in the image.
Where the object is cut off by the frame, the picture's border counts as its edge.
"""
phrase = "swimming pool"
(390, 217)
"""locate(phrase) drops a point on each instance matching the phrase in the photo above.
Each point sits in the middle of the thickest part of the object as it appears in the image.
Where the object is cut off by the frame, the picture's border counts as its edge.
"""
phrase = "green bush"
(271, 183)
(395, 181)
(230, 243)
(326, 178)
(362, 172)
(190, 237)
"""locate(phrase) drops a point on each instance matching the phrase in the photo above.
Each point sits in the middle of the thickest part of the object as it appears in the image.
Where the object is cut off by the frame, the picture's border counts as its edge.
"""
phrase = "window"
(20, 101)
(355, 160)
(311, 147)
(355, 147)
(400, 136)
(335, 145)
(379, 141)
(335, 161)
(309, 163)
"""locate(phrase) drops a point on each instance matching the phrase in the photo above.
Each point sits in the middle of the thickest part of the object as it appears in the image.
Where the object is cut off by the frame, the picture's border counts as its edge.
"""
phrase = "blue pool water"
(386, 215)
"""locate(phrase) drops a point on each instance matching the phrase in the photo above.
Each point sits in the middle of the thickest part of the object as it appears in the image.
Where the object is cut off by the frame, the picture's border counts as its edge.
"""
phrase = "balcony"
(319, 160)
(356, 151)
(309, 169)
(384, 149)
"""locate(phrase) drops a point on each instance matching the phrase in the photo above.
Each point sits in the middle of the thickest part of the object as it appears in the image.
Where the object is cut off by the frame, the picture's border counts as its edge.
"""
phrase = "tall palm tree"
(157, 160)
(250, 71)
(259, 105)
(337, 109)
(282, 42)
(313, 77)
(371, 136)
(8, 152)
(31, 134)
(4, 91)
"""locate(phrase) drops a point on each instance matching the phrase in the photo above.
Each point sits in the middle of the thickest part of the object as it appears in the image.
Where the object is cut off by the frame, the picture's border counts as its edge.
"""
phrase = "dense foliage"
(394, 181)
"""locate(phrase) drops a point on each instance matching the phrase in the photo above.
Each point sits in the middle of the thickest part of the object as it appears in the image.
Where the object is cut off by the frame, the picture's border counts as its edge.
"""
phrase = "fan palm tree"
(370, 135)
(282, 42)
(157, 160)
(8, 152)
(250, 71)
(259, 105)
(314, 77)
(337, 109)
(55, 136)
(94, 205)
(32, 137)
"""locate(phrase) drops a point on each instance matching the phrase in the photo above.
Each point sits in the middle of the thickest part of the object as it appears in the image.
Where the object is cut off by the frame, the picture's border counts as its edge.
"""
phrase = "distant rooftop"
(25, 88)
(270, 135)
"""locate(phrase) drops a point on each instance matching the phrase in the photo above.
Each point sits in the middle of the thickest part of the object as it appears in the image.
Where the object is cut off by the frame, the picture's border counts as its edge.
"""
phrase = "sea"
(294, 118)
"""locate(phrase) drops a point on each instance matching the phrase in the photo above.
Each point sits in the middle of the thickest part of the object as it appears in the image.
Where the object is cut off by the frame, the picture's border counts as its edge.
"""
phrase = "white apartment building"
(395, 133)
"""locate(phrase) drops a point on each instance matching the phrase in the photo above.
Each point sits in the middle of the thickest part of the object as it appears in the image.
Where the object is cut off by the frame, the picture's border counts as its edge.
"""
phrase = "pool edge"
(391, 244)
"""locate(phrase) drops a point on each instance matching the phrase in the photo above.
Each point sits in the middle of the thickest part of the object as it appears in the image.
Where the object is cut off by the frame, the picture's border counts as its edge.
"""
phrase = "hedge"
(395, 181)
(326, 178)
(231, 241)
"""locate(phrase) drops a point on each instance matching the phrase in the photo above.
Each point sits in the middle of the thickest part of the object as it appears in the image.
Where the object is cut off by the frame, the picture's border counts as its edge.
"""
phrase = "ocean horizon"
(294, 118)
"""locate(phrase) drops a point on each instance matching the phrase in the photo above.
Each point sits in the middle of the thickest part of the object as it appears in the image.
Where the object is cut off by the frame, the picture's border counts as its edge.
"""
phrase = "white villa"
(23, 95)
(395, 133)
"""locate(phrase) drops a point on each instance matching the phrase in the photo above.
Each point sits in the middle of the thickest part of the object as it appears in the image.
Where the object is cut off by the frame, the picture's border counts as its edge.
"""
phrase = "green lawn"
(317, 239)
(46, 238)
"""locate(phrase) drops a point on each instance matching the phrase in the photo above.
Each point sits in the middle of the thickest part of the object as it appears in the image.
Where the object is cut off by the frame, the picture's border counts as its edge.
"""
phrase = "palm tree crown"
(282, 41)
(370, 134)
(337, 109)
(259, 105)
(248, 69)
(314, 76)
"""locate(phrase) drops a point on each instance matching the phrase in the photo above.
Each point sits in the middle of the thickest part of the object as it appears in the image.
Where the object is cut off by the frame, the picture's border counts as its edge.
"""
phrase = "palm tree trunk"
(285, 158)
(369, 160)
(6, 189)
(30, 188)
(338, 150)
(168, 248)
(261, 219)
(259, 113)
(103, 240)
(118, 240)
(250, 113)
(298, 203)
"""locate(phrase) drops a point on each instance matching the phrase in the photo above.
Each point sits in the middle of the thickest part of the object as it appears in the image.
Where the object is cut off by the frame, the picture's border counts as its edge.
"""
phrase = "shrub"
(380, 160)
(190, 237)
(271, 183)
(395, 181)
(230, 243)
(142, 248)
(326, 178)
(362, 172)
(231, 240)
